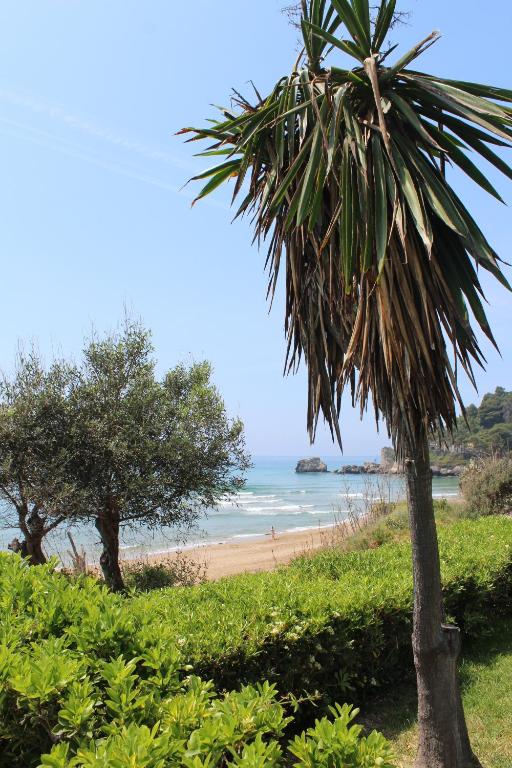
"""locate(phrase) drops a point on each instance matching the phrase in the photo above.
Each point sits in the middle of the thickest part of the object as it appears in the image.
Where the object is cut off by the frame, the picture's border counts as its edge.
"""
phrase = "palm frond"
(343, 170)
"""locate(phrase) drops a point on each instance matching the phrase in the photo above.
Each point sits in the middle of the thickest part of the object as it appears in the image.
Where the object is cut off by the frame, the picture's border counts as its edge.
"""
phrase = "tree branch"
(53, 524)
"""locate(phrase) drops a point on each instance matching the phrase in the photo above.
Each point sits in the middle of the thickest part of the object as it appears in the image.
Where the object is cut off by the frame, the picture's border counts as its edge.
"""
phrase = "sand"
(253, 555)
(262, 553)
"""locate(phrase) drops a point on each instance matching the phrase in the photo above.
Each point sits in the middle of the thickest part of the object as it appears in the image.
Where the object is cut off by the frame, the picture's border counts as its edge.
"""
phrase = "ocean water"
(274, 496)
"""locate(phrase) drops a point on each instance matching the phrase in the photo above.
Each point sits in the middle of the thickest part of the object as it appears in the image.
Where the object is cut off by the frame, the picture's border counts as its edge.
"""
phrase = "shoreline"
(250, 553)
(258, 553)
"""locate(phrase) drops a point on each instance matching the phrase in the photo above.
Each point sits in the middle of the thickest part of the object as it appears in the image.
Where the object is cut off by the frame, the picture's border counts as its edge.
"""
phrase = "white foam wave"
(261, 512)
(236, 502)
(257, 497)
(294, 508)
(309, 528)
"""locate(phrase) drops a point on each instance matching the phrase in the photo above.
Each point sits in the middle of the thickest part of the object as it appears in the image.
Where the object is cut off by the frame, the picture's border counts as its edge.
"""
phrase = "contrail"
(64, 146)
(85, 126)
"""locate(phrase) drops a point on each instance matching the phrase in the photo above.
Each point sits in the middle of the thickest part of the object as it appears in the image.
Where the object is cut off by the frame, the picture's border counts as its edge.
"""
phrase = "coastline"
(249, 555)
(255, 553)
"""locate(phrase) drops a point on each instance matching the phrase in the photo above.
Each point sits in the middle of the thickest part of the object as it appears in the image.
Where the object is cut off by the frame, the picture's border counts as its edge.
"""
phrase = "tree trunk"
(32, 526)
(34, 545)
(107, 524)
(443, 735)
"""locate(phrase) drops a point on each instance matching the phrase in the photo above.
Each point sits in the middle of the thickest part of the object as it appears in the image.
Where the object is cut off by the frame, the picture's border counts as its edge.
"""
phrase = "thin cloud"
(57, 143)
(78, 123)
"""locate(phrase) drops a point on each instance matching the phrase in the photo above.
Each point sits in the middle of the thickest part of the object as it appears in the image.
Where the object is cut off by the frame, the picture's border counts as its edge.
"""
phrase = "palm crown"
(344, 171)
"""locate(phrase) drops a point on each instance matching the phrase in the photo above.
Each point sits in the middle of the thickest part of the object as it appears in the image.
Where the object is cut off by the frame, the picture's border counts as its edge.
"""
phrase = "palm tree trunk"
(443, 735)
(107, 524)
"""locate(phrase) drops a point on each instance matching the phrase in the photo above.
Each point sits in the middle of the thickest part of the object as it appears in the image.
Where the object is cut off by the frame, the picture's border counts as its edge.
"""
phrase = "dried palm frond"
(343, 170)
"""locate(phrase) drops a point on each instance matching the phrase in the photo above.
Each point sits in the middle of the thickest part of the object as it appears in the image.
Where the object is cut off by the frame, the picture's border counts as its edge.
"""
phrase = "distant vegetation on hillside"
(488, 430)
(489, 426)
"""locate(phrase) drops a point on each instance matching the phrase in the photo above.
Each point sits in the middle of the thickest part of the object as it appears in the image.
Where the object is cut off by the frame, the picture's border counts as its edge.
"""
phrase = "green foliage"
(496, 408)
(36, 450)
(333, 623)
(108, 442)
(344, 170)
(126, 698)
(153, 451)
(90, 678)
(489, 426)
(486, 485)
(331, 741)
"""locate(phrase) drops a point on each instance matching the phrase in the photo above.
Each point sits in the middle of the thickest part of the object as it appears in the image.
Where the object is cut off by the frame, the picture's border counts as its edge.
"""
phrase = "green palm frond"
(343, 171)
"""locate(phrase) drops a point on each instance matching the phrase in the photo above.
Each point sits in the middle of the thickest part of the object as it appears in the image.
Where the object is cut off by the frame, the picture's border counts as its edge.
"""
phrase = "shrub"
(242, 728)
(92, 673)
(387, 523)
(487, 486)
(179, 571)
(333, 624)
(85, 683)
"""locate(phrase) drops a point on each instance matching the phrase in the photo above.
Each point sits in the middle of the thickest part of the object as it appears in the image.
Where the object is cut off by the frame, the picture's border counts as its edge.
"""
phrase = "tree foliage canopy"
(37, 455)
(107, 441)
(343, 169)
(162, 451)
(487, 428)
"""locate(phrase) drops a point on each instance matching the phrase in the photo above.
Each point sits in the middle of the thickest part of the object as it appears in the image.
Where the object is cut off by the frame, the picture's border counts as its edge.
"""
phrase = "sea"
(274, 498)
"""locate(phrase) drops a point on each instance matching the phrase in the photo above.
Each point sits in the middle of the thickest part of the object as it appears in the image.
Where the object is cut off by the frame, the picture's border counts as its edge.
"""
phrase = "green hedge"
(87, 683)
(334, 623)
(90, 670)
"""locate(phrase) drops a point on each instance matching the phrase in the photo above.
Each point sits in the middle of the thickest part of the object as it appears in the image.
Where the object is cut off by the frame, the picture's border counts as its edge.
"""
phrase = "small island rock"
(369, 468)
(446, 471)
(390, 466)
(311, 465)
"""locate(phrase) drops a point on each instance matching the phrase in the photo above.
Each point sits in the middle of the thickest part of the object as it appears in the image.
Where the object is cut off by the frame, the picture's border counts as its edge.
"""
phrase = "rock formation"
(389, 466)
(311, 465)
(369, 468)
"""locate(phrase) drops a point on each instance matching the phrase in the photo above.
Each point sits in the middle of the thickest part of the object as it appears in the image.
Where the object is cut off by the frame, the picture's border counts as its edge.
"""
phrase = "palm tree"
(343, 170)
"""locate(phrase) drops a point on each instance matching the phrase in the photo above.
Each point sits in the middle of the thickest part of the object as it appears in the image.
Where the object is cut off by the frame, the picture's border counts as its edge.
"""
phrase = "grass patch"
(486, 679)
(388, 527)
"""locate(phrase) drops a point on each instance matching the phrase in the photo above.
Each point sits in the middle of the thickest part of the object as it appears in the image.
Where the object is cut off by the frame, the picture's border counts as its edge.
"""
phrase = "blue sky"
(93, 217)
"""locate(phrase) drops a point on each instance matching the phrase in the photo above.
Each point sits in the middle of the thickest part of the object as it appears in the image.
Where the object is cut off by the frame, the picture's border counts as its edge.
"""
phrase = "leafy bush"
(240, 729)
(179, 571)
(338, 624)
(86, 675)
(487, 486)
(85, 683)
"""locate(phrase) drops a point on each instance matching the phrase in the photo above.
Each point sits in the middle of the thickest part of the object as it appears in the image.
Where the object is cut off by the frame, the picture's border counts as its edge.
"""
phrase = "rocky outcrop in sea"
(390, 466)
(311, 465)
(368, 468)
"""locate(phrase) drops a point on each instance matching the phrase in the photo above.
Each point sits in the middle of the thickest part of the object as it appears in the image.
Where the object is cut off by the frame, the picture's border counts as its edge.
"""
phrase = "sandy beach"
(254, 554)
(260, 553)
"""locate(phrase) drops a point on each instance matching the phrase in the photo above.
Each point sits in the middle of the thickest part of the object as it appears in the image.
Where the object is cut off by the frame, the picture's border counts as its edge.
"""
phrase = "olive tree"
(150, 451)
(36, 452)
